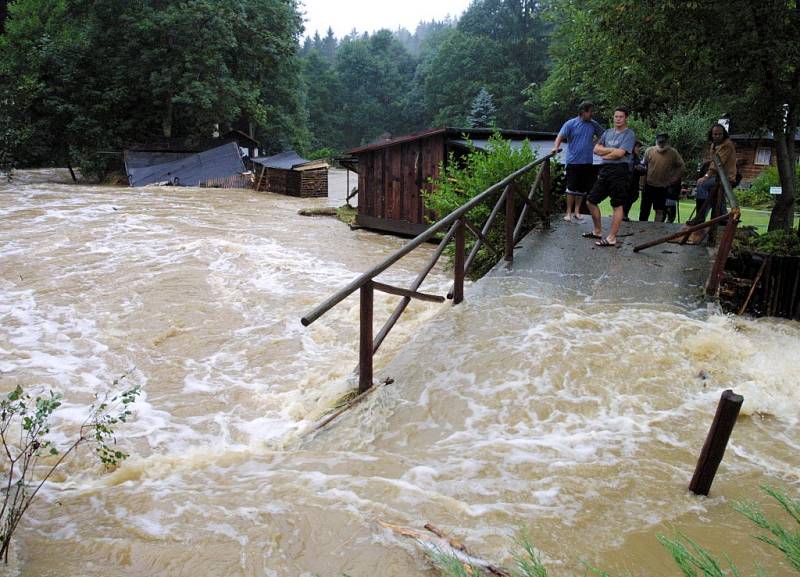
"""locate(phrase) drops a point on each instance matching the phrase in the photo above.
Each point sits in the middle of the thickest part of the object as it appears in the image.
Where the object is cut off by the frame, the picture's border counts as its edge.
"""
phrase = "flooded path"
(575, 421)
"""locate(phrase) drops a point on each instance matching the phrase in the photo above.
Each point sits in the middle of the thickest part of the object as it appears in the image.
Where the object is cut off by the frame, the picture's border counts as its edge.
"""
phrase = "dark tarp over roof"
(220, 162)
(285, 160)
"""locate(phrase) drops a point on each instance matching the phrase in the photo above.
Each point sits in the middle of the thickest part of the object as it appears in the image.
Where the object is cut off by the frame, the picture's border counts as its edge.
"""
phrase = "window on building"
(763, 156)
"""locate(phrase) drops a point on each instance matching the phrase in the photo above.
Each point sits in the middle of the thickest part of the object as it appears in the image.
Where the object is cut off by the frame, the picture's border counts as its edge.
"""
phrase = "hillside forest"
(81, 80)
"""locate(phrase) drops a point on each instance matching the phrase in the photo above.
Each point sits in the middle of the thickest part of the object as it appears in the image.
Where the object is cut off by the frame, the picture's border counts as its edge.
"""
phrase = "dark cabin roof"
(285, 160)
(457, 134)
(760, 135)
(191, 170)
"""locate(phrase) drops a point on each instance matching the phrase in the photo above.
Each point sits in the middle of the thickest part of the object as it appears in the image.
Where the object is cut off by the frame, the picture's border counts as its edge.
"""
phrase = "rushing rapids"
(575, 422)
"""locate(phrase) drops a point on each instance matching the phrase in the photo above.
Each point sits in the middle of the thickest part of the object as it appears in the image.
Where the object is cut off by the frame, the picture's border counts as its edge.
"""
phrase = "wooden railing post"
(510, 217)
(547, 185)
(458, 264)
(716, 441)
(365, 350)
(723, 250)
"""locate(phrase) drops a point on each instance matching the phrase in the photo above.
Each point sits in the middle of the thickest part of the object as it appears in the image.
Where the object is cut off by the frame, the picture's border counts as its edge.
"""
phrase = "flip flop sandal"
(590, 235)
(604, 242)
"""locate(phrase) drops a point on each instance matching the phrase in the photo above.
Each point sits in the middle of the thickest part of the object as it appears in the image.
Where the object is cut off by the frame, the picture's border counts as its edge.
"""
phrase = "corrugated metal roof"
(285, 160)
(763, 135)
(456, 133)
(540, 147)
(193, 170)
(141, 158)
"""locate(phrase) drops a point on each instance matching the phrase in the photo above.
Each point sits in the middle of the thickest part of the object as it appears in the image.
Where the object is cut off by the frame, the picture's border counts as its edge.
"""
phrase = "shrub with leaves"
(758, 195)
(464, 178)
(30, 458)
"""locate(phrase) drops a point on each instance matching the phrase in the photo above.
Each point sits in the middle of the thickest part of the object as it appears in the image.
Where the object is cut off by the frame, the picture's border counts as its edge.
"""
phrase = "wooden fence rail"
(456, 223)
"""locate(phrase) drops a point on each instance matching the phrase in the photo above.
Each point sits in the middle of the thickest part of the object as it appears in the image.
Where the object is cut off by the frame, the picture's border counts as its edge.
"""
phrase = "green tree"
(482, 114)
(740, 56)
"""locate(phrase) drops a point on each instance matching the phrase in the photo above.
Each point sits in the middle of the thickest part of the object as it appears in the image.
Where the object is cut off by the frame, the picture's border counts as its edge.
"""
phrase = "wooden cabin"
(288, 173)
(755, 152)
(393, 173)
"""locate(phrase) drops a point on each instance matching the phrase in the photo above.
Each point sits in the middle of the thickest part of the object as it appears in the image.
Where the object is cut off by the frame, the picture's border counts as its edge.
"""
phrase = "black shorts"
(614, 181)
(658, 194)
(580, 178)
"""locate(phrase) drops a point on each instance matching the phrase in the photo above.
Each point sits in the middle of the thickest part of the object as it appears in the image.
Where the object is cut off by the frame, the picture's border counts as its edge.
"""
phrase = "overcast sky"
(371, 15)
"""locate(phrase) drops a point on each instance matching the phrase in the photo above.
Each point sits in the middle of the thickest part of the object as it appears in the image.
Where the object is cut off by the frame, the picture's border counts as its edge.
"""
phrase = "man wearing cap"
(664, 170)
(580, 132)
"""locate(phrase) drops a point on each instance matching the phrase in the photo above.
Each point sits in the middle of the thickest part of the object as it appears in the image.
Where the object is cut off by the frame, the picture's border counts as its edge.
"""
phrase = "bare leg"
(578, 206)
(594, 210)
(616, 220)
(659, 216)
(570, 204)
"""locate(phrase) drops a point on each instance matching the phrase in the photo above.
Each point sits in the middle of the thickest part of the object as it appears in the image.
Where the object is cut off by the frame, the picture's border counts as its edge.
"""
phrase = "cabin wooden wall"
(306, 183)
(391, 181)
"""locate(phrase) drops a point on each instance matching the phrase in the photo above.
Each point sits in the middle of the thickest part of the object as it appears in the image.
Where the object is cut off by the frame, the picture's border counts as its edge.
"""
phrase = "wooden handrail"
(458, 224)
(423, 237)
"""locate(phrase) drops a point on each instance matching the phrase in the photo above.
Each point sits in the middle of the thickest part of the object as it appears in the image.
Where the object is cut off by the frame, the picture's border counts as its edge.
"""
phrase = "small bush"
(777, 242)
(758, 196)
(465, 178)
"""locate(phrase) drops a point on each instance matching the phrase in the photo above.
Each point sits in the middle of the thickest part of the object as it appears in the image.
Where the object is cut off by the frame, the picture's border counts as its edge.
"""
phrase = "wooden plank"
(365, 350)
(716, 442)
(402, 227)
(458, 264)
(401, 292)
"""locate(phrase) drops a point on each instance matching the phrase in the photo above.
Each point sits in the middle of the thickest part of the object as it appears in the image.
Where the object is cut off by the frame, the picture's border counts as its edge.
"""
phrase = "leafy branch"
(30, 458)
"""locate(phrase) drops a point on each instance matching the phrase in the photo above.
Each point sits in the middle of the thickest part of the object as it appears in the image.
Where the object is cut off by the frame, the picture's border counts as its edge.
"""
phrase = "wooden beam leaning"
(724, 249)
(458, 264)
(547, 189)
(365, 349)
(401, 306)
(401, 292)
(716, 441)
(484, 231)
(510, 218)
(680, 234)
(480, 236)
(531, 192)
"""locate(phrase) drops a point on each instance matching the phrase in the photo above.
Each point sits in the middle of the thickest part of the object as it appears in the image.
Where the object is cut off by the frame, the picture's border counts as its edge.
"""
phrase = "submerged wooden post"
(458, 264)
(723, 250)
(509, 256)
(716, 441)
(547, 186)
(365, 349)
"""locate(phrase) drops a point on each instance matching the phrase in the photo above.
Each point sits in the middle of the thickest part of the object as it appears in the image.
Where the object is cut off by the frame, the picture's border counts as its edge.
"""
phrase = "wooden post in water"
(723, 250)
(547, 186)
(458, 264)
(509, 256)
(716, 441)
(365, 350)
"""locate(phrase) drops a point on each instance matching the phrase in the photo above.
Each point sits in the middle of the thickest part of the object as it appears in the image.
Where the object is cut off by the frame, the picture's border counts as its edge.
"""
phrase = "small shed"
(755, 152)
(392, 174)
(289, 173)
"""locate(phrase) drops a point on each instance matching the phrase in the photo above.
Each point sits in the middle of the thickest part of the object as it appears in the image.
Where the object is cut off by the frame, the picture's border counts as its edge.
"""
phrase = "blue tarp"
(194, 170)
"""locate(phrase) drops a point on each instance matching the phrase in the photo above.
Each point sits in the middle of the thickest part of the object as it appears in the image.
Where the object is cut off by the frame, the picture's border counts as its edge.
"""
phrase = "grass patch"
(347, 214)
(750, 217)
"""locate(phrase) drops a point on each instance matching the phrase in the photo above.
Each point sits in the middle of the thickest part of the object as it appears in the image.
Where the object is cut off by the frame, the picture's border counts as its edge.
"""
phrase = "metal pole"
(547, 185)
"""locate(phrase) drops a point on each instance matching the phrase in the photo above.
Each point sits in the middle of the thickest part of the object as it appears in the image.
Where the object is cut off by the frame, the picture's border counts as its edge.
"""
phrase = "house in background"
(755, 152)
(288, 173)
(393, 173)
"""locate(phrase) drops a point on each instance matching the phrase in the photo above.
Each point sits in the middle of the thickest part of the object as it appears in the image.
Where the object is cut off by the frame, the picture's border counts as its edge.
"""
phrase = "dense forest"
(80, 80)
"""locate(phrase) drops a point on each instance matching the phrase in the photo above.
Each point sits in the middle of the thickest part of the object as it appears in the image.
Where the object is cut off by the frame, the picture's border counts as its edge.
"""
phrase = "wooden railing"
(458, 223)
(731, 220)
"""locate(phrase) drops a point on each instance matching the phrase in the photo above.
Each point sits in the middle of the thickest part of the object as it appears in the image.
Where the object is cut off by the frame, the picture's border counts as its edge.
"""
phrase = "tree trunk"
(166, 118)
(782, 216)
